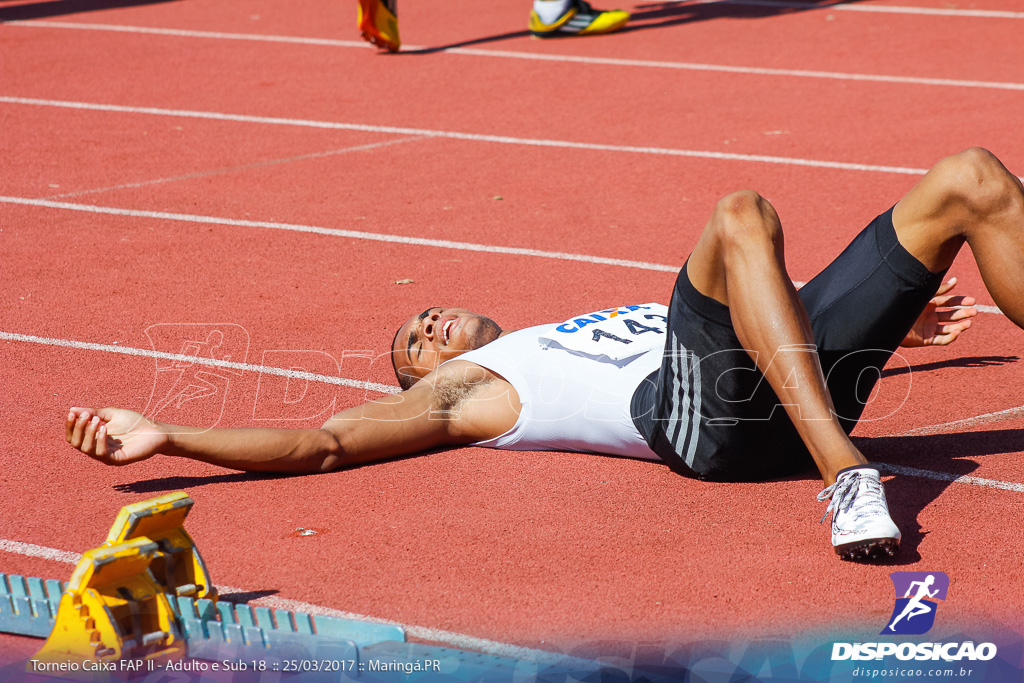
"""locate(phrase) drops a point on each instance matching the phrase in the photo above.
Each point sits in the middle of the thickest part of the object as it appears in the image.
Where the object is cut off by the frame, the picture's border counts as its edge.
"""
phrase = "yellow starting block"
(116, 608)
(179, 567)
(112, 609)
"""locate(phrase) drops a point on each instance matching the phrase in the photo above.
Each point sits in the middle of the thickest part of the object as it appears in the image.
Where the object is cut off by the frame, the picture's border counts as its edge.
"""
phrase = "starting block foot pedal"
(113, 609)
(179, 568)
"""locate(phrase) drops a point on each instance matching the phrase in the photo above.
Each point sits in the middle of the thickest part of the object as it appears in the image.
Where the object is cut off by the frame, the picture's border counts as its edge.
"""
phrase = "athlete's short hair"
(404, 380)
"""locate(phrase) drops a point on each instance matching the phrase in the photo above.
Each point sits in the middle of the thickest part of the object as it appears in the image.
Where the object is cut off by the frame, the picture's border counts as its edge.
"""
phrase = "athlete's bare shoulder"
(477, 403)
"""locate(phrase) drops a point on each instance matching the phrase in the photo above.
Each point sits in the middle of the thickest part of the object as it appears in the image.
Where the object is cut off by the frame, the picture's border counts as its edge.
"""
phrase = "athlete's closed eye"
(414, 336)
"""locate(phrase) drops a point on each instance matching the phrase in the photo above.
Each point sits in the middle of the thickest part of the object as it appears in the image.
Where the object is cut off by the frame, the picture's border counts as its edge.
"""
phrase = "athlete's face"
(437, 335)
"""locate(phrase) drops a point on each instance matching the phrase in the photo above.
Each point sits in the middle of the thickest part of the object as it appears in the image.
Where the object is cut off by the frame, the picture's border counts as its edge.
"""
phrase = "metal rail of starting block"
(224, 630)
(146, 594)
(28, 606)
(286, 640)
(213, 630)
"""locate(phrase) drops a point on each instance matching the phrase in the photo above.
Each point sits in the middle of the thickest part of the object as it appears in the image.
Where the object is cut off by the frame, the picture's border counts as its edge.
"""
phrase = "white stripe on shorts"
(695, 412)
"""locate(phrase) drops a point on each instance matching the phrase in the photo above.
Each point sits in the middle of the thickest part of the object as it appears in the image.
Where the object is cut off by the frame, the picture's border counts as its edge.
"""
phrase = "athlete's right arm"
(400, 424)
(391, 426)
(394, 425)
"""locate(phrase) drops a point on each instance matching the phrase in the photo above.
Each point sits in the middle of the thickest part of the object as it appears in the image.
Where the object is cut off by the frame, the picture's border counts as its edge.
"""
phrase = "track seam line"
(372, 236)
(234, 169)
(456, 135)
(986, 418)
(424, 632)
(351, 234)
(511, 54)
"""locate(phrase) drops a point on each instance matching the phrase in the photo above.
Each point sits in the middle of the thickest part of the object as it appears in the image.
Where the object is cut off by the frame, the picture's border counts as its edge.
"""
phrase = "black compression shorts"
(709, 412)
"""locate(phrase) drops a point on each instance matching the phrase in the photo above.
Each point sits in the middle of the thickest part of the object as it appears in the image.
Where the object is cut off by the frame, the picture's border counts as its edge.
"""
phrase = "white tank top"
(576, 380)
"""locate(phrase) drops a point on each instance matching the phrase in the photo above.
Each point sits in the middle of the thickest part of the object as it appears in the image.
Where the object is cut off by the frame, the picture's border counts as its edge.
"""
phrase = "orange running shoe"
(378, 23)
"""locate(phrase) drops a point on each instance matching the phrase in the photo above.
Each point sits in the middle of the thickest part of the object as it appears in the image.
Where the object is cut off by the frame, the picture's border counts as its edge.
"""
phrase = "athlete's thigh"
(714, 414)
(861, 307)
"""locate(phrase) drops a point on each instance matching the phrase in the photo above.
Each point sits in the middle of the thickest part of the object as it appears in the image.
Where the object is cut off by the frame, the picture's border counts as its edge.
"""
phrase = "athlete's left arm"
(935, 327)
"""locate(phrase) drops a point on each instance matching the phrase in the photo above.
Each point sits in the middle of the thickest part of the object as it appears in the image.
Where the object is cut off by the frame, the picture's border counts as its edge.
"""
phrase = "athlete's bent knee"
(745, 218)
(977, 178)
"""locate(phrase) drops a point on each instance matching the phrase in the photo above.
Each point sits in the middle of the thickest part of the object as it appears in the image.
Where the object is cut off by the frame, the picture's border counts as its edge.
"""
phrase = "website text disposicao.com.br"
(901, 673)
(905, 653)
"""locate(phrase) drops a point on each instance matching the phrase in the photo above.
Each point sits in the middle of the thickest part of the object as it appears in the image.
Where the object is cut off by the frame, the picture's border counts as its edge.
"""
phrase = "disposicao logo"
(914, 612)
(917, 594)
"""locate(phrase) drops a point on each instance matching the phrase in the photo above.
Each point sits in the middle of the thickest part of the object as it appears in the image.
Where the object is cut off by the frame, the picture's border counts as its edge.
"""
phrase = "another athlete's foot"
(378, 23)
(573, 18)
(861, 526)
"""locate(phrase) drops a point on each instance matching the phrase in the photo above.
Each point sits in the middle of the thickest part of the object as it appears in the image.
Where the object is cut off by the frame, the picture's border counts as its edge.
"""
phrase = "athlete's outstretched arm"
(395, 425)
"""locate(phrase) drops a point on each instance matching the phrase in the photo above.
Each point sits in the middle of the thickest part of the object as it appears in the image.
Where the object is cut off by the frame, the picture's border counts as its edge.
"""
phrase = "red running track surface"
(545, 550)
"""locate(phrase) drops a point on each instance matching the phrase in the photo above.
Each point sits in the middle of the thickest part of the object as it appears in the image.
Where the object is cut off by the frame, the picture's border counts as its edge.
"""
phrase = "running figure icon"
(917, 606)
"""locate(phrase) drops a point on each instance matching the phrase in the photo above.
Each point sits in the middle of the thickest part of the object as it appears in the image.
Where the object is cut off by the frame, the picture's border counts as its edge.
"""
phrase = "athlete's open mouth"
(446, 331)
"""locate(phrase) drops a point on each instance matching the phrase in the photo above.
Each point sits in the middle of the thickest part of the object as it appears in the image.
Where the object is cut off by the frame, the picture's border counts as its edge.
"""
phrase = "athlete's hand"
(113, 436)
(937, 327)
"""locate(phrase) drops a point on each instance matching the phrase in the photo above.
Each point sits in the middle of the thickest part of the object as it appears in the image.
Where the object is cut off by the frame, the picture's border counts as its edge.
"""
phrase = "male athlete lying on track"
(628, 381)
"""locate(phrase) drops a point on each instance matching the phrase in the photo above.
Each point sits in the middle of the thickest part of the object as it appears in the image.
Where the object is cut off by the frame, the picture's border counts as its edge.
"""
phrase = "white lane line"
(885, 9)
(986, 418)
(455, 135)
(235, 169)
(946, 476)
(188, 33)
(511, 54)
(373, 236)
(209, 362)
(33, 550)
(352, 234)
(752, 70)
(458, 640)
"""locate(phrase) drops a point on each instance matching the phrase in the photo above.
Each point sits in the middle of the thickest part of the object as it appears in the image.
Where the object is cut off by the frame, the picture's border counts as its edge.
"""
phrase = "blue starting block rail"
(363, 650)
(224, 630)
(28, 606)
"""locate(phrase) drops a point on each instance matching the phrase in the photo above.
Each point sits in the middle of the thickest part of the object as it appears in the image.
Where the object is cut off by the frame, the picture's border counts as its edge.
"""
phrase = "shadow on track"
(180, 482)
(965, 362)
(248, 596)
(57, 8)
(657, 15)
(909, 495)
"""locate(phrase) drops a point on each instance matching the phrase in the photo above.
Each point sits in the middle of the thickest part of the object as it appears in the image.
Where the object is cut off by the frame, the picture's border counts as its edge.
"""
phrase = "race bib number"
(614, 333)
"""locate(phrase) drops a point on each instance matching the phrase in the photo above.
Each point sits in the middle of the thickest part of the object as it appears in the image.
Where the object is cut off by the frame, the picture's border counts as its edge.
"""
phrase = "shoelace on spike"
(842, 494)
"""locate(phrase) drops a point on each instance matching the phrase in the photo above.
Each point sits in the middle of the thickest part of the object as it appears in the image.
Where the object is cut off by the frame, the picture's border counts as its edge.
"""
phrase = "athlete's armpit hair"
(450, 392)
